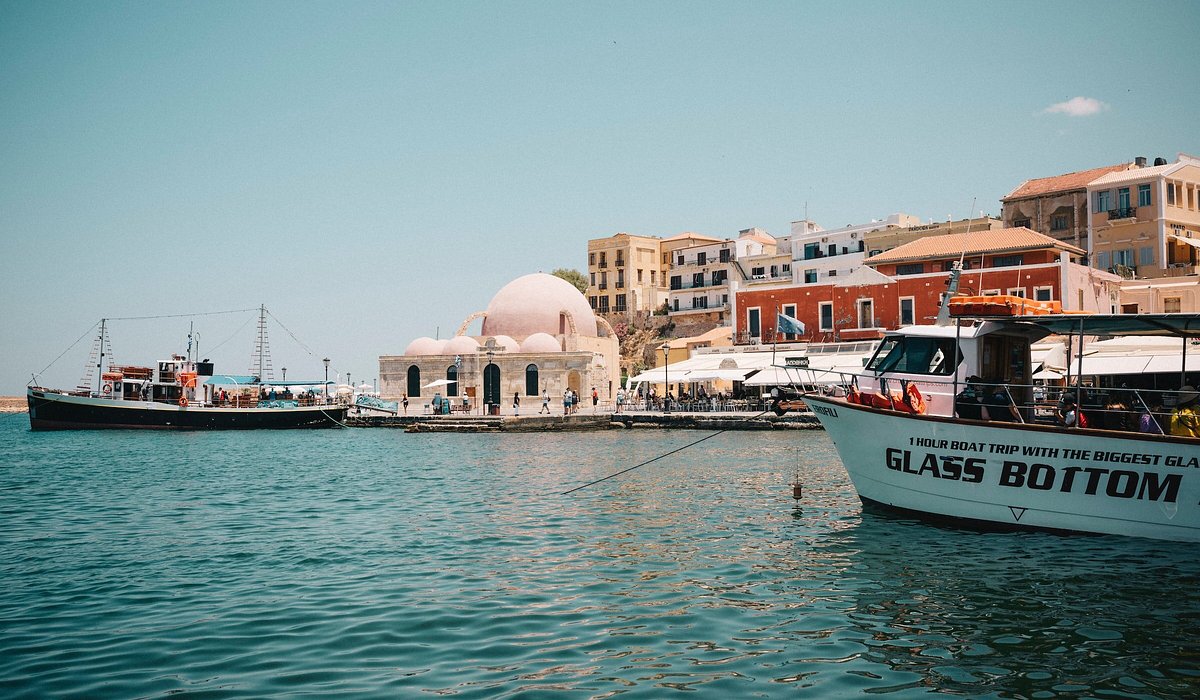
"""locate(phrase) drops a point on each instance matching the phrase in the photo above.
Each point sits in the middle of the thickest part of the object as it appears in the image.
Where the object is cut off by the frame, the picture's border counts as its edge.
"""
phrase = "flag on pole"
(787, 324)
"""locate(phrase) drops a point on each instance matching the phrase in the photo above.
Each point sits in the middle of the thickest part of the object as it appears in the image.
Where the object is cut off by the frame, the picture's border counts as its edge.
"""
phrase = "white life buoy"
(107, 389)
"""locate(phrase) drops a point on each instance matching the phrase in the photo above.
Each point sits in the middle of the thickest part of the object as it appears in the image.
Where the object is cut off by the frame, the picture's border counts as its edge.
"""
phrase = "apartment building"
(701, 283)
(1144, 222)
(905, 286)
(1056, 206)
(625, 274)
(820, 255)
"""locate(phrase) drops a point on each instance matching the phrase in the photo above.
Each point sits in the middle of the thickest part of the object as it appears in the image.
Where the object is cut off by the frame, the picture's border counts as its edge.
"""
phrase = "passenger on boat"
(1185, 420)
(1000, 406)
(1070, 414)
(1117, 415)
(968, 403)
(1147, 422)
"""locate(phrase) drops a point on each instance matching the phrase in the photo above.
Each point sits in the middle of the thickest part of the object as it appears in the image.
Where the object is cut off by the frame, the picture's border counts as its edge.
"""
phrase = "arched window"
(452, 377)
(414, 380)
(531, 380)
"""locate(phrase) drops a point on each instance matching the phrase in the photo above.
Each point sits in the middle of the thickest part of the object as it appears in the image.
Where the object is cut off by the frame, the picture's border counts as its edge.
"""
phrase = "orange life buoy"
(914, 399)
(183, 401)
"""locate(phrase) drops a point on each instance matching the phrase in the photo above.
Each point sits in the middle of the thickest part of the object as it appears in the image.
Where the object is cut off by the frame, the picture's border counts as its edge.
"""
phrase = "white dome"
(533, 304)
(425, 346)
(540, 343)
(461, 345)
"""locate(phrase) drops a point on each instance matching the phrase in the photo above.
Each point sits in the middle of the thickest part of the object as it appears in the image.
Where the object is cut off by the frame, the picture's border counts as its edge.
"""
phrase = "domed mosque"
(538, 333)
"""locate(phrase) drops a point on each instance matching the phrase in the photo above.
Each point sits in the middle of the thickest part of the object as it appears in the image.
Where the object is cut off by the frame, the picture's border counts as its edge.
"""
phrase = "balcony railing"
(1122, 213)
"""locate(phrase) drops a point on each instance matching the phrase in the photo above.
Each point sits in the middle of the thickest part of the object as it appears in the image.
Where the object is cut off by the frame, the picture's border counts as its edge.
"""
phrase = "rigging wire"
(205, 313)
(289, 332)
(235, 334)
(64, 352)
(655, 459)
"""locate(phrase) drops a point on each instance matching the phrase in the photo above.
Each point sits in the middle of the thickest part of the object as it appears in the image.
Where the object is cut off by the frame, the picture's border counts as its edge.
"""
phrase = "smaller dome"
(461, 345)
(425, 346)
(505, 342)
(540, 343)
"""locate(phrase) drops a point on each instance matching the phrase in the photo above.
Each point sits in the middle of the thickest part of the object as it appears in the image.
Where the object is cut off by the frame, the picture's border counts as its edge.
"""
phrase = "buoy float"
(797, 488)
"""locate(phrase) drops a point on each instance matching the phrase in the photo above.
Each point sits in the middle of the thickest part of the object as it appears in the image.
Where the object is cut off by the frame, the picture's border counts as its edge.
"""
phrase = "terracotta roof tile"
(999, 240)
(1061, 183)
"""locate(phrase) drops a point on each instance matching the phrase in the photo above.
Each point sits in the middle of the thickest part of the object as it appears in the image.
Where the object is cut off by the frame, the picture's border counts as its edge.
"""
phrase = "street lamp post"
(666, 347)
(326, 384)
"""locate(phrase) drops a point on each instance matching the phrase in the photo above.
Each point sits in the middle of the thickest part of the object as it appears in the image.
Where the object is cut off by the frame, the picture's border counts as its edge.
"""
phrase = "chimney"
(1140, 161)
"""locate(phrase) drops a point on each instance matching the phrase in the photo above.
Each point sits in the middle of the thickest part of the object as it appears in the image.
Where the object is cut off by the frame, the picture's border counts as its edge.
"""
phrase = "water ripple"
(380, 564)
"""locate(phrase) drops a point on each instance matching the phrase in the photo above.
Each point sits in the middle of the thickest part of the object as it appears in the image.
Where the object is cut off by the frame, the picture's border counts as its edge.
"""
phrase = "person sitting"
(1147, 422)
(1117, 415)
(1185, 419)
(968, 403)
(1000, 405)
(1070, 414)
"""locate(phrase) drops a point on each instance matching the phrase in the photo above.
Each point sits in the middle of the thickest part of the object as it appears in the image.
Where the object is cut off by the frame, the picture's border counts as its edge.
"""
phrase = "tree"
(575, 277)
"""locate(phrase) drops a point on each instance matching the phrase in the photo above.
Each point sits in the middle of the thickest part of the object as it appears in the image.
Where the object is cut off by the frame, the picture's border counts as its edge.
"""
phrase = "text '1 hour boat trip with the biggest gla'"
(921, 434)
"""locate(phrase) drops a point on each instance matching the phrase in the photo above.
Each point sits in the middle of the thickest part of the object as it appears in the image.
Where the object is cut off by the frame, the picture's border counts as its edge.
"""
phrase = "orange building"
(905, 286)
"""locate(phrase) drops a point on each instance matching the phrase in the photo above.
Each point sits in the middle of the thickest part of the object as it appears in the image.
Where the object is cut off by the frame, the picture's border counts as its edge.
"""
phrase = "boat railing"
(1105, 408)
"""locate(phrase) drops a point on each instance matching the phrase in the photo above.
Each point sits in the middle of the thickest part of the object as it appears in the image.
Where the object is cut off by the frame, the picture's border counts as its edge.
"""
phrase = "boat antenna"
(943, 317)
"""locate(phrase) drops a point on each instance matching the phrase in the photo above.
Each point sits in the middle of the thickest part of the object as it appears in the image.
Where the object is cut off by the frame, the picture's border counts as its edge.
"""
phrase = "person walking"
(595, 399)
(405, 402)
(545, 402)
(566, 401)
(516, 404)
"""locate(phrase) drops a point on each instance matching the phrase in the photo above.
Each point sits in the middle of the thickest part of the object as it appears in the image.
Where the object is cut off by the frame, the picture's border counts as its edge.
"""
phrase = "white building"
(700, 277)
(819, 254)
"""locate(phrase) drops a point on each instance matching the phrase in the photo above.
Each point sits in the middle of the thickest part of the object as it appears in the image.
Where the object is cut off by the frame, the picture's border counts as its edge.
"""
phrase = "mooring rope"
(655, 459)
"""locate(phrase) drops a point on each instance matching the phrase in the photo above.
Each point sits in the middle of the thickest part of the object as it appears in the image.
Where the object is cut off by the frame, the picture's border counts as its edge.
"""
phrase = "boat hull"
(1008, 476)
(51, 411)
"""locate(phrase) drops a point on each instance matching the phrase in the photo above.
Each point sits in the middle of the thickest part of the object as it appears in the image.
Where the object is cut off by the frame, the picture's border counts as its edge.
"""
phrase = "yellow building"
(1145, 222)
(625, 274)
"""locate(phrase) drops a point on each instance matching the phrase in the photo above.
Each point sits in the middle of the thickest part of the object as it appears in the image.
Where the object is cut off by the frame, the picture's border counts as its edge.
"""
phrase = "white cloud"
(1078, 107)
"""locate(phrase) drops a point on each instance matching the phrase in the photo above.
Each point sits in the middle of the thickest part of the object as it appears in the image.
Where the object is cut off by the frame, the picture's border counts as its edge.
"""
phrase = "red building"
(905, 285)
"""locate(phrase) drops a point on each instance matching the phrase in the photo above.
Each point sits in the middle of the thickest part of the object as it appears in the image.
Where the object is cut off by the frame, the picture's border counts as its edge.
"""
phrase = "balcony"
(1122, 213)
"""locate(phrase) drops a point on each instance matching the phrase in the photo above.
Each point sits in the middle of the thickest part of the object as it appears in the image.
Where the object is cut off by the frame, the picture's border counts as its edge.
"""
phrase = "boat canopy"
(251, 380)
(232, 379)
(1178, 325)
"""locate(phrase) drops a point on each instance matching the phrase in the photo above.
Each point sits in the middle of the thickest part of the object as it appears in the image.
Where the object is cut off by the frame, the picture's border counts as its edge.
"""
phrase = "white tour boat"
(1011, 465)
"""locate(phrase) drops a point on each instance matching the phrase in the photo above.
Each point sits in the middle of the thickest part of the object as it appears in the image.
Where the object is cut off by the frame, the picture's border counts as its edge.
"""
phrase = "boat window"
(914, 355)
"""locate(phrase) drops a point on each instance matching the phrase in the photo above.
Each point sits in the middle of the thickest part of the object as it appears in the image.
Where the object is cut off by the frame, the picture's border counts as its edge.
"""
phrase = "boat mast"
(100, 362)
(260, 362)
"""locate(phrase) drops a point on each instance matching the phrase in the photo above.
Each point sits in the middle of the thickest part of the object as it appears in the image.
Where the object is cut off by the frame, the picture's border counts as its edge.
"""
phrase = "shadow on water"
(1018, 614)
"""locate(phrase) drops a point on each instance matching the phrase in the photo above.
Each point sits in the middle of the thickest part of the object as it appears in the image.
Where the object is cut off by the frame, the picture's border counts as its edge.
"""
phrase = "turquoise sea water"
(373, 563)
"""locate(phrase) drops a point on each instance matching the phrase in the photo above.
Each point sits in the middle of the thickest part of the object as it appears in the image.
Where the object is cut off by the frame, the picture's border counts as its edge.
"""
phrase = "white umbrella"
(439, 382)
(1048, 374)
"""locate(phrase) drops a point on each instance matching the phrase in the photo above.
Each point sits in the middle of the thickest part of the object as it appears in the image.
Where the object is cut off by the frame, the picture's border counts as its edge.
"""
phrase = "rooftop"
(999, 240)
(1062, 183)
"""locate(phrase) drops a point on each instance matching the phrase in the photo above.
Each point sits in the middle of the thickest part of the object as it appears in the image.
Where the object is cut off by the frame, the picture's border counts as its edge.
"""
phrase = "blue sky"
(373, 172)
